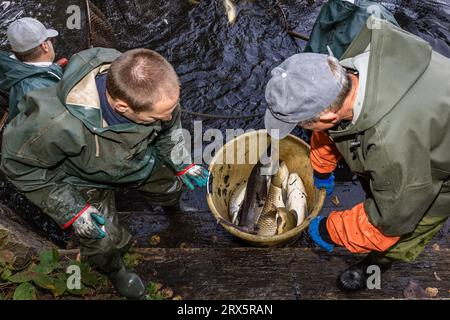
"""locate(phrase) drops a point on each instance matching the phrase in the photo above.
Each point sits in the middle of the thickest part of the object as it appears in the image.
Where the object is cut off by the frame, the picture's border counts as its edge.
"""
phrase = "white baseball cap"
(28, 33)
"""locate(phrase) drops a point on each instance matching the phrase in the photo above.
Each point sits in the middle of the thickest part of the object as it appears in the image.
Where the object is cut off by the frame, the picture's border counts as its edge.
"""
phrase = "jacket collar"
(397, 60)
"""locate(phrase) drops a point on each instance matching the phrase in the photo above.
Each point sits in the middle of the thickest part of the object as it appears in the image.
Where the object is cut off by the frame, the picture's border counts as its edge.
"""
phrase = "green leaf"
(49, 261)
(132, 260)
(25, 291)
(6, 274)
(23, 276)
(1, 297)
(49, 257)
(79, 292)
(46, 268)
(60, 287)
(44, 281)
(153, 292)
(89, 279)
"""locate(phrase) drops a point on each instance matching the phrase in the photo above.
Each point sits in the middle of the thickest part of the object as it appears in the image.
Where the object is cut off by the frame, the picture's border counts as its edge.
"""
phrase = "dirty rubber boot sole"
(354, 278)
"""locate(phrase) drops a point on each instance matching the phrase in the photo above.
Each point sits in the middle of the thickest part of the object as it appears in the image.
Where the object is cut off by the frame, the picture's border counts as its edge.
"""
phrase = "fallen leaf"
(167, 292)
(7, 256)
(214, 238)
(158, 286)
(432, 292)
(335, 201)
(180, 298)
(154, 240)
(185, 245)
(23, 276)
(437, 277)
(436, 247)
(331, 296)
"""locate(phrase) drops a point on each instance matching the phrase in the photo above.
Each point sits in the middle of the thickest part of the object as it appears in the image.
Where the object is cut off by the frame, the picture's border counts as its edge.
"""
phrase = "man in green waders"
(111, 122)
(31, 65)
(385, 109)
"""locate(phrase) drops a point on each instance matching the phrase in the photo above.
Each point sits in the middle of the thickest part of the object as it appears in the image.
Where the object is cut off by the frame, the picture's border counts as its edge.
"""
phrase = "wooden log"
(289, 273)
(19, 239)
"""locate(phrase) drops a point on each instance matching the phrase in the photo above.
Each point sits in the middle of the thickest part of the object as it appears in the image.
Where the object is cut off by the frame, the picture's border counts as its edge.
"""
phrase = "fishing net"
(135, 21)
(100, 30)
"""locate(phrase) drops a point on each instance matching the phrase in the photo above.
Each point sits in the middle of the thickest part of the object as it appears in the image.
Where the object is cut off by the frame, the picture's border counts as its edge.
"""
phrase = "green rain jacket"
(59, 143)
(401, 140)
(340, 21)
(19, 78)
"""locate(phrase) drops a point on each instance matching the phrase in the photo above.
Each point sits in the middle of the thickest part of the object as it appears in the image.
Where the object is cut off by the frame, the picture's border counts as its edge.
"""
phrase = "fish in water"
(296, 197)
(230, 8)
(255, 198)
(236, 201)
(267, 224)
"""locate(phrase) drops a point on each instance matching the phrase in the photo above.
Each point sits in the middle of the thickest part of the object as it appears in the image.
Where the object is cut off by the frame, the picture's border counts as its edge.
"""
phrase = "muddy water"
(223, 70)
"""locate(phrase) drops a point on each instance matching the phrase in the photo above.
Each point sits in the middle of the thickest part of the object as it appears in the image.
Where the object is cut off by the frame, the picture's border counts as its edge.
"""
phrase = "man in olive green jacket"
(112, 121)
(385, 109)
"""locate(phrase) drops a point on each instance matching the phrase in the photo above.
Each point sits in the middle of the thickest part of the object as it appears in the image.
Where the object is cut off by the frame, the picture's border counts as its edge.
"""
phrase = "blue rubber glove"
(314, 233)
(327, 184)
(194, 176)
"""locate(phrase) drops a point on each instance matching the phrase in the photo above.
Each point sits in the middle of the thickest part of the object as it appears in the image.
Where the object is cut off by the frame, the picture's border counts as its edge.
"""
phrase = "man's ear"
(329, 117)
(121, 106)
(45, 47)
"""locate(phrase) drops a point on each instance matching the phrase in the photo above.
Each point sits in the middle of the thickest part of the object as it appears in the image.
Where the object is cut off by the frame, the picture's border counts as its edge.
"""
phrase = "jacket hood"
(13, 71)
(397, 60)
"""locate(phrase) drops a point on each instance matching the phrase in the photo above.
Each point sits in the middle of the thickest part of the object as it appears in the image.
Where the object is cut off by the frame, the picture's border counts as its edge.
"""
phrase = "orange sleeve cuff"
(353, 230)
(324, 155)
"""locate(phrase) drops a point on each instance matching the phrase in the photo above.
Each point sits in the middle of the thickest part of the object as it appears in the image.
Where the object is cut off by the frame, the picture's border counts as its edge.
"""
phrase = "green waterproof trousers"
(162, 189)
(411, 245)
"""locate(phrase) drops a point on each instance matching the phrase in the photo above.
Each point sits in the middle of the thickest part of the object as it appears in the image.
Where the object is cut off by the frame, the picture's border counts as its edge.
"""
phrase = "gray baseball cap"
(300, 88)
(28, 33)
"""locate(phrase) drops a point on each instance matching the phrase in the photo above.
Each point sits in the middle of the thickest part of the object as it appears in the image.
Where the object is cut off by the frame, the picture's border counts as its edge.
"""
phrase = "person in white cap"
(31, 65)
(384, 109)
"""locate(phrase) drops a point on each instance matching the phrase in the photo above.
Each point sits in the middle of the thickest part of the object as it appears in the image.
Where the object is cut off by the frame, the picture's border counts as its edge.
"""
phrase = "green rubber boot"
(128, 284)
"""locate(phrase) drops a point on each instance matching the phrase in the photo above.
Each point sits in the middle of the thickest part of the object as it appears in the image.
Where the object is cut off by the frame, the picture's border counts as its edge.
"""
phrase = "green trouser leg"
(161, 188)
(409, 247)
(105, 254)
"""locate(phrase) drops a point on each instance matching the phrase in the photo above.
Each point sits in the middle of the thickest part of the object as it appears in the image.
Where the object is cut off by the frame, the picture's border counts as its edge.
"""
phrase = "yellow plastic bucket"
(225, 175)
